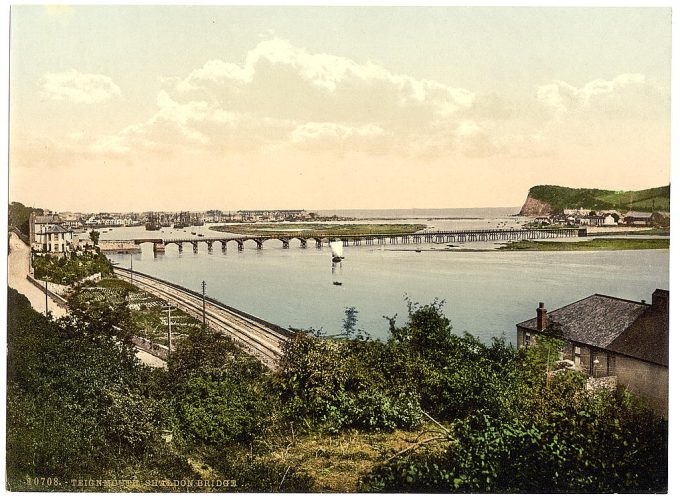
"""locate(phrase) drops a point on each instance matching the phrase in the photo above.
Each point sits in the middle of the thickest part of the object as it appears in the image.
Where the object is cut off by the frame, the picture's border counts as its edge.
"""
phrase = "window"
(527, 338)
(577, 356)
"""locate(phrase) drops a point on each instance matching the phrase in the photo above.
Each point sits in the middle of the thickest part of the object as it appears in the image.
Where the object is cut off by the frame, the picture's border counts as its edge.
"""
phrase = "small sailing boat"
(336, 250)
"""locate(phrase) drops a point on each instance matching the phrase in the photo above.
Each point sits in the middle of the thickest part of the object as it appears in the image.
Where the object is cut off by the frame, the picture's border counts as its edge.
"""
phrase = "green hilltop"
(646, 200)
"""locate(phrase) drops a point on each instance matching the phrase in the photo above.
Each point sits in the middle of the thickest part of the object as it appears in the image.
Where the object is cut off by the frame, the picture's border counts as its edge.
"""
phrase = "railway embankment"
(257, 337)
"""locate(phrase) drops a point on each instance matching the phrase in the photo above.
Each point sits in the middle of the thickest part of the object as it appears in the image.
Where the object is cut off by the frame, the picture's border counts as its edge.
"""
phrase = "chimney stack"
(541, 317)
(660, 299)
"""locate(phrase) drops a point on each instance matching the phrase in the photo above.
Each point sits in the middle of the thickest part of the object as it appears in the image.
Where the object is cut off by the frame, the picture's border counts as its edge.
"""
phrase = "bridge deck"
(263, 340)
(423, 236)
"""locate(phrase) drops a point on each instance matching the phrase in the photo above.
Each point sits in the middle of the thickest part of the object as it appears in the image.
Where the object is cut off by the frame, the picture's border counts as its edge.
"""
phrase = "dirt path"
(17, 269)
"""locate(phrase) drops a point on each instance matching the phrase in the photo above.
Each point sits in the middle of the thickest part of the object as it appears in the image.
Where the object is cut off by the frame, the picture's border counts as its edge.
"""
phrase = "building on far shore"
(613, 341)
(590, 220)
(47, 234)
(638, 219)
(271, 215)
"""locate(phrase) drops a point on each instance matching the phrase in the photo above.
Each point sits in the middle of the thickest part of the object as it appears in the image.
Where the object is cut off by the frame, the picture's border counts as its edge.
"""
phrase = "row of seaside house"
(610, 218)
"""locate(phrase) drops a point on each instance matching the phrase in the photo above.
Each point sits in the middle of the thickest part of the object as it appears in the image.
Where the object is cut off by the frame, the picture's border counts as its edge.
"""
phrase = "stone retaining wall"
(160, 351)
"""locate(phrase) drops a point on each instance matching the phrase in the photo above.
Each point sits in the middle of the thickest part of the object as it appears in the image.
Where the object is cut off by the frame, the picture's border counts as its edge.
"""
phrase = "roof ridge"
(638, 302)
(590, 297)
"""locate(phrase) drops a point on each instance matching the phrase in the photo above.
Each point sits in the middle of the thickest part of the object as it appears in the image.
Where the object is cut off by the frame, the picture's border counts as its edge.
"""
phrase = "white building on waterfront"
(47, 234)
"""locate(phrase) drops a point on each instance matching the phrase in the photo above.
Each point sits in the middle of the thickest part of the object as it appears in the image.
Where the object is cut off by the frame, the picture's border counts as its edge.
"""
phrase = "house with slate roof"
(612, 337)
(46, 234)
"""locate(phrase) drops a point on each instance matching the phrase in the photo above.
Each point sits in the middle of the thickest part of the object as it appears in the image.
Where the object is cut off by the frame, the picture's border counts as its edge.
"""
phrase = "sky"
(192, 108)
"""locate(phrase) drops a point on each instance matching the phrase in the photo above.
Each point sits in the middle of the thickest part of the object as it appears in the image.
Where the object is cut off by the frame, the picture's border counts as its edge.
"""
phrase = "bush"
(77, 402)
(343, 385)
(68, 270)
(572, 442)
(218, 412)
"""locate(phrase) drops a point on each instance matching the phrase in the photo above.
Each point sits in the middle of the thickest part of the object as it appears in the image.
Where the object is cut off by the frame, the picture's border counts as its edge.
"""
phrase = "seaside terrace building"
(48, 235)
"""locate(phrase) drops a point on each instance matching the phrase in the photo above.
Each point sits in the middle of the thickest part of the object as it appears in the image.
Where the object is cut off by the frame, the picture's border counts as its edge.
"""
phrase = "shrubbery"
(66, 270)
(539, 436)
(80, 404)
(340, 385)
(77, 403)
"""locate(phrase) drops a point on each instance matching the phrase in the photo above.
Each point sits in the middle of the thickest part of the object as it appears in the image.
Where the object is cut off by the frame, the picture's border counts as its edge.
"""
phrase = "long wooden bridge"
(263, 340)
(319, 240)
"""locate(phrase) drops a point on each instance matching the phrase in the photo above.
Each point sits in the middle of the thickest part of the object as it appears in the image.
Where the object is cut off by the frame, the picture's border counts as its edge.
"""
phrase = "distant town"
(154, 220)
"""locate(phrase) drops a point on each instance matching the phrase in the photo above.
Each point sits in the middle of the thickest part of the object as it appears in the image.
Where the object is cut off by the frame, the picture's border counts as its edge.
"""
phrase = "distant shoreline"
(596, 244)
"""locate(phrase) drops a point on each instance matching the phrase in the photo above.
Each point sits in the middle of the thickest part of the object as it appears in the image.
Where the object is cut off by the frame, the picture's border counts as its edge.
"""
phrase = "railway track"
(256, 337)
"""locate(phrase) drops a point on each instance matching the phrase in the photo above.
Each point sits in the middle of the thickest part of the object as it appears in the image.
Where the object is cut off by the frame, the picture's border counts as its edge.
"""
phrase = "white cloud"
(278, 79)
(282, 95)
(79, 87)
(314, 131)
(564, 98)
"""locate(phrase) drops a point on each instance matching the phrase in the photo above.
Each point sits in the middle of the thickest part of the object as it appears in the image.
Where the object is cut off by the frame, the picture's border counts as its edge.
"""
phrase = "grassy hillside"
(646, 200)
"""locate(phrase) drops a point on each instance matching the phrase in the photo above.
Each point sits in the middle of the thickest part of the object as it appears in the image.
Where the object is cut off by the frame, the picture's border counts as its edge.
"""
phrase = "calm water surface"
(486, 293)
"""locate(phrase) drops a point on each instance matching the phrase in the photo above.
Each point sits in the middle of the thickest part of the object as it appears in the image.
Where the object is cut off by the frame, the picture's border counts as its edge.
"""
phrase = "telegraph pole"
(203, 287)
(46, 308)
(131, 268)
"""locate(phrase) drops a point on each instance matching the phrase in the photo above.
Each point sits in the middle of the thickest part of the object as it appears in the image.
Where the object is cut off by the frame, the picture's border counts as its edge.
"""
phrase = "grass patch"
(319, 229)
(337, 462)
(594, 244)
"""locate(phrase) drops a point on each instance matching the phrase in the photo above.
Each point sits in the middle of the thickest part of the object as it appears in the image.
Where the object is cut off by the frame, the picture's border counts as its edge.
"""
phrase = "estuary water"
(485, 293)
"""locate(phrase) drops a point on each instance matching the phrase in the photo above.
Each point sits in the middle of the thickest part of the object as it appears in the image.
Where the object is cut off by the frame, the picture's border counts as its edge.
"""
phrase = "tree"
(94, 236)
(78, 404)
(349, 324)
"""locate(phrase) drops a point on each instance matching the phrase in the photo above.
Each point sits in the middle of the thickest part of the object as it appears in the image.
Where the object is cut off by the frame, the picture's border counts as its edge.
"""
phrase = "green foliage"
(343, 385)
(94, 236)
(218, 412)
(600, 199)
(453, 375)
(589, 245)
(68, 270)
(349, 324)
(217, 392)
(556, 437)
(92, 314)
(77, 402)
(19, 215)
(80, 404)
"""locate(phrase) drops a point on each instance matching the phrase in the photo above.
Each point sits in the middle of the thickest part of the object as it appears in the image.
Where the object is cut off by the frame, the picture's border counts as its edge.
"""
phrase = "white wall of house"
(609, 221)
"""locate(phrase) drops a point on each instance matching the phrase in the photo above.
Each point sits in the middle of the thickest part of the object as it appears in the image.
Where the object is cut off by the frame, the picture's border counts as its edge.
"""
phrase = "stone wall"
(160, 351)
